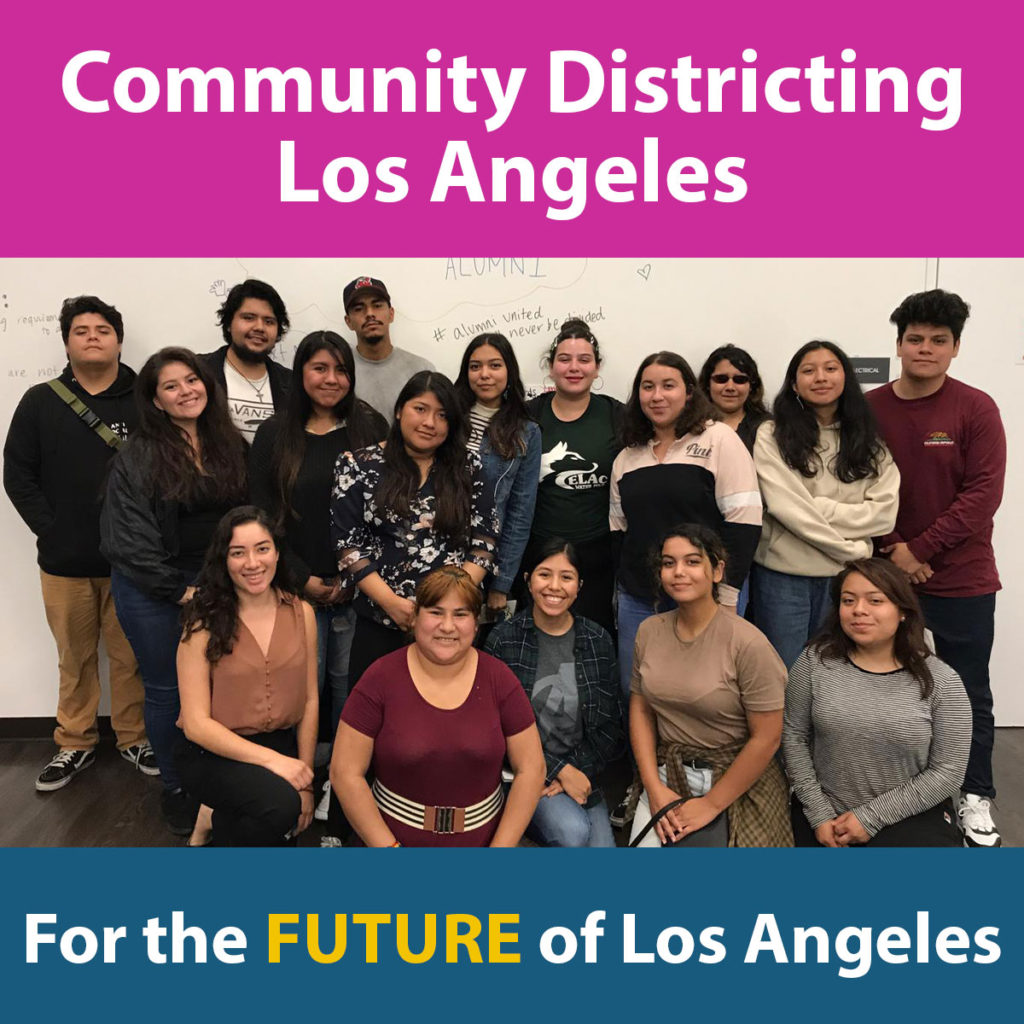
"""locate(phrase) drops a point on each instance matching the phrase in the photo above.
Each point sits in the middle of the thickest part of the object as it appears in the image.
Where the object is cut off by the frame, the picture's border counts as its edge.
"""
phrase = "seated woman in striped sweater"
(877, 729)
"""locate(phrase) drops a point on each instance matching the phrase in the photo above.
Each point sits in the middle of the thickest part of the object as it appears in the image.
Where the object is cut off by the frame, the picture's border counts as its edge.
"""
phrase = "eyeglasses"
(736, 378)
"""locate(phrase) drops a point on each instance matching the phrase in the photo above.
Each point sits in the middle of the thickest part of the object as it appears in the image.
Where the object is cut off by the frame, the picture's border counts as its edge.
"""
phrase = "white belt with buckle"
(440, 820)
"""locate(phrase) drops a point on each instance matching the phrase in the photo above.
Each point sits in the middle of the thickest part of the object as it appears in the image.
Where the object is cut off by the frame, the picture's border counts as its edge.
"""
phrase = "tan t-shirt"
(701, 691)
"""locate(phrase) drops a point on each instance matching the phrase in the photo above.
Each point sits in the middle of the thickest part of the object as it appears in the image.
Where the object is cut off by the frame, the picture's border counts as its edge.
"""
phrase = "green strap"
(84, 413)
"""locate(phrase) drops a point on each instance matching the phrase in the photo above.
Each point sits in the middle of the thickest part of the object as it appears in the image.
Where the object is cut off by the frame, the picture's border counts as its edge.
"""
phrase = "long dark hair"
(744, 362)
(909, 647)
(215, 605)
(636, 427)
(796, 427)
(400, 479)
(365, 425)
(507, 427)
(174, 475)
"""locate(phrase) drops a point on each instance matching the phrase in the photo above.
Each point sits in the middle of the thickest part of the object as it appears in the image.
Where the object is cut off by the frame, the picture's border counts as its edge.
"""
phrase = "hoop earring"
(598, 383)
(547, 381)
(800, 402)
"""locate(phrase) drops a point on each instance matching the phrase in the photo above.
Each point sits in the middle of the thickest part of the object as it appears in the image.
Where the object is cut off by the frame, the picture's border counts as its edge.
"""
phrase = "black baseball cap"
(363, 284)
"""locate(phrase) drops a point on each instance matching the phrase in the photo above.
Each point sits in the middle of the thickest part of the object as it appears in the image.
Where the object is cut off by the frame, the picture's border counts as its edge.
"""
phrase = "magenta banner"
(649, 129)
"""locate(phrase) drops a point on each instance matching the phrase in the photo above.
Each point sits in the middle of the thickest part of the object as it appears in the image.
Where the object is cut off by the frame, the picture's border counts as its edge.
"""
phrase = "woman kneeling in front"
(877, 728)
(247, 673)
(705, 711)
(436, 720)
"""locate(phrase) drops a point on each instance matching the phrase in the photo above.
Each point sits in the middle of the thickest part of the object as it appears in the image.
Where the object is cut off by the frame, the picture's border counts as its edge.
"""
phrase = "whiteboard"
(634, 306)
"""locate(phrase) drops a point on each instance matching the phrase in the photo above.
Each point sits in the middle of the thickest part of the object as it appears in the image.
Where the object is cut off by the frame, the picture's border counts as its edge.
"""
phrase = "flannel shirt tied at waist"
(760, 817)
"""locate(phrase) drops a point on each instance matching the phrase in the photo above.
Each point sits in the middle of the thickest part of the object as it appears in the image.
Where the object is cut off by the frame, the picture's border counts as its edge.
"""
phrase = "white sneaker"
(975, 814)
(324, 804)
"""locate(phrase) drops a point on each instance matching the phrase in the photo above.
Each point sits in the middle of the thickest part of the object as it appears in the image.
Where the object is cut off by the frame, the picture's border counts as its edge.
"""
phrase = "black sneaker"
(179, 811)
(141, 755)
(621, 816)
(63, 768)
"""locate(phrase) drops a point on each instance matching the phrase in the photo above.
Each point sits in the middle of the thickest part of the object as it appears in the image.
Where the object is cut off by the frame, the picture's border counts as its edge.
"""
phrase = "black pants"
(934, 827)
(370, 641)
(963, 629)
(597, 572)
(251, 805)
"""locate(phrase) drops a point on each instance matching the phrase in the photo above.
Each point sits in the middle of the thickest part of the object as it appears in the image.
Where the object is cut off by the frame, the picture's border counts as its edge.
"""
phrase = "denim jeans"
(153, 628)
(560, 821)
(631, 612)
(335, 625)
(788, 609)
(963, 629)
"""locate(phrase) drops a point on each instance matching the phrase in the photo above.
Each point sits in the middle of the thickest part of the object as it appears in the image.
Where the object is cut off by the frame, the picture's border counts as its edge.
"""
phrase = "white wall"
(767, 306)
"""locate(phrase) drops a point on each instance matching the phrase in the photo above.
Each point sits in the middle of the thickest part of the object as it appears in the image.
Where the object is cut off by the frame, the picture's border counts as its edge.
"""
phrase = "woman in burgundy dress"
(436, 721)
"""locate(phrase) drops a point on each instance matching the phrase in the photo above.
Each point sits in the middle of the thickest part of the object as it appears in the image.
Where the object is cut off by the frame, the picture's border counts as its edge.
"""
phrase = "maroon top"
(951, 452)
(437, 757)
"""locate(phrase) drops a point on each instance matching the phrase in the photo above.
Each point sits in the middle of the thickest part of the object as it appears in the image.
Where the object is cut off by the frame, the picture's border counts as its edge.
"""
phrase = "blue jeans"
(335, 625)
(153, 628)
(631, 612)
(560, 821)
(789, 610)
(963, 629)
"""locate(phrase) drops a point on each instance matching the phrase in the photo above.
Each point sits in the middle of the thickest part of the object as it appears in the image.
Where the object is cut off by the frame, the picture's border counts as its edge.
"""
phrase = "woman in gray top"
(877, 729)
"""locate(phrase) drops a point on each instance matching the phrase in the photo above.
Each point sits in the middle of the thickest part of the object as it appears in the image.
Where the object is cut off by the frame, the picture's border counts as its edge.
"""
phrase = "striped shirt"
(705, 478)
(867, 742)
(479, 420)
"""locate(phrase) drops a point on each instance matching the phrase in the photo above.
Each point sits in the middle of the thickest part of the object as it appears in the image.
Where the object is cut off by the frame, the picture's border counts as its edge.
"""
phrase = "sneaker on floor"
(179, 811)
(63, 768)
(622, 816)
(330, 842)
(975, 816)
(141, 755)
(323, 806)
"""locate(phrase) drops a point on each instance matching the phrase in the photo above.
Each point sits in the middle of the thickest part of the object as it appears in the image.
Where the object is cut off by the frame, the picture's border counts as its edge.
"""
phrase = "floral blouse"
(369, 538)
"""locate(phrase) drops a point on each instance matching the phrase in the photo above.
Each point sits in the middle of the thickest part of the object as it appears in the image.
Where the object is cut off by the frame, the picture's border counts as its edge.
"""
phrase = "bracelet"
(394, 844)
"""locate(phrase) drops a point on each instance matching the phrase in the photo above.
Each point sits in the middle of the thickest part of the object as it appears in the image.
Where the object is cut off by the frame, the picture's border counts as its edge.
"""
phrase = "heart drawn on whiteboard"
(645, 271)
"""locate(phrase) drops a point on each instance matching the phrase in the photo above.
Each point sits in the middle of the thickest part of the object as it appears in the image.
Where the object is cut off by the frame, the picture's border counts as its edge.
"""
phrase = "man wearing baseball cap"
(381, 369)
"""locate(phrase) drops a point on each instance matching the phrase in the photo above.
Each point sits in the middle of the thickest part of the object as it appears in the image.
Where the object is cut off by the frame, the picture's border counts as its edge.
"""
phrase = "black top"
(309, 551)
(55, 469)
(747, 429)
(575, 468)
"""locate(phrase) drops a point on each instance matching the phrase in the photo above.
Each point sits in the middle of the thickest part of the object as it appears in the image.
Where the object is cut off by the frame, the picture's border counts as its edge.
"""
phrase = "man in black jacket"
(55, 464)
(252, 319)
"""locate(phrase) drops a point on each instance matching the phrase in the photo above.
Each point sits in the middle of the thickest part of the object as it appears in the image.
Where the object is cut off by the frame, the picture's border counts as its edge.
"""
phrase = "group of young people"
(332, 552)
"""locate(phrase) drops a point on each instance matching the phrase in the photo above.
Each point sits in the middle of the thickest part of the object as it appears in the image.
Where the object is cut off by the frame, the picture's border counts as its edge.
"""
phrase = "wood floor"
(111, 804)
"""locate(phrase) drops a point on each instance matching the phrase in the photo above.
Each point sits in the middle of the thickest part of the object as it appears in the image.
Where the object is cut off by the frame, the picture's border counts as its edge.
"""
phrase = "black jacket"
(280, 376)
(55, 468)
(139, 532)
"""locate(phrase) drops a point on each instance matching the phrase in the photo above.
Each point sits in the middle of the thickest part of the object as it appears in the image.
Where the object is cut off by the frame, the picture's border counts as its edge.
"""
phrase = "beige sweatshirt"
(812, 525)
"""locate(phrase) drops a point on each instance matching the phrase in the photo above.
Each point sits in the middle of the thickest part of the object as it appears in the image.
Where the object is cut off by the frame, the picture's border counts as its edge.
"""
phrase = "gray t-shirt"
(555, 698)
(379, 382)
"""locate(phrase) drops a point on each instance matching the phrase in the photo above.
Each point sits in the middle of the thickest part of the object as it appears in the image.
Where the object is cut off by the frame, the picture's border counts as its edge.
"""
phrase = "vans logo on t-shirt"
(938, 439)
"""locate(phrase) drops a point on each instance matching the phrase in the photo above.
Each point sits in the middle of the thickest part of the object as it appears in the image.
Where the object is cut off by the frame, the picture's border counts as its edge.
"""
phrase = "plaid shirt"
(597, 681)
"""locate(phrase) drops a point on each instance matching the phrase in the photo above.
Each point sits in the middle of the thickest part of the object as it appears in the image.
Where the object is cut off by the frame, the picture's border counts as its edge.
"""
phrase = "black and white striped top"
(480, 417)
(866, 741)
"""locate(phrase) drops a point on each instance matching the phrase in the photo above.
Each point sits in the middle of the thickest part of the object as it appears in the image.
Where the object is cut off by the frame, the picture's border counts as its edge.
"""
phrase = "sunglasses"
(736, 378)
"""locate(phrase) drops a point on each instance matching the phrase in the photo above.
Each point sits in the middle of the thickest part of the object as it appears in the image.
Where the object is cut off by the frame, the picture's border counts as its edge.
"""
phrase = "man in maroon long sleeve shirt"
(950, 447)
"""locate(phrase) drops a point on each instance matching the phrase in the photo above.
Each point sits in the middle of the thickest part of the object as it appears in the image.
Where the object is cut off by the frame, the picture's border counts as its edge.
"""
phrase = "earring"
(547, 381)
(598, 383)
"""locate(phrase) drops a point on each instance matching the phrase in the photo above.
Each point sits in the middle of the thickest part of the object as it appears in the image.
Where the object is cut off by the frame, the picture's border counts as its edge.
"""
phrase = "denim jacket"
(515, 494)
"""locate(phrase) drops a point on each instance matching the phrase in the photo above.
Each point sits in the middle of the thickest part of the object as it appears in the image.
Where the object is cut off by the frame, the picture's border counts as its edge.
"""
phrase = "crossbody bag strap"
(671, 805)
(85, 414)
